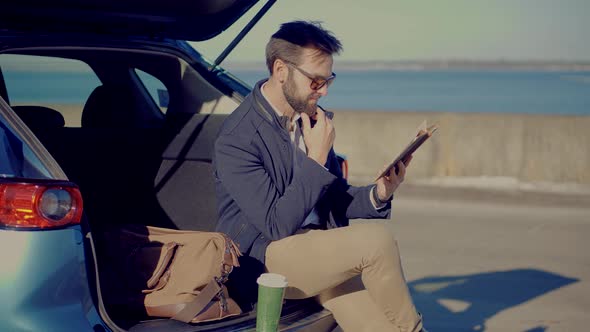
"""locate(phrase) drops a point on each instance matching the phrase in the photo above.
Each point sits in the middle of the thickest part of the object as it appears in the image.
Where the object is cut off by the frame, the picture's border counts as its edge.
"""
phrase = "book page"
(423, 133)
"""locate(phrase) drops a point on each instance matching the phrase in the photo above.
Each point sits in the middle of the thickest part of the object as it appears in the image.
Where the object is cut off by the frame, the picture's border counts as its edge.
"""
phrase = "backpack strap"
(200, 302)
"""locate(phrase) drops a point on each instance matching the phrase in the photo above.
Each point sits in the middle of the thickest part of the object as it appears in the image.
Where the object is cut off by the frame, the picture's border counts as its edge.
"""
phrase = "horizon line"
(582, 65)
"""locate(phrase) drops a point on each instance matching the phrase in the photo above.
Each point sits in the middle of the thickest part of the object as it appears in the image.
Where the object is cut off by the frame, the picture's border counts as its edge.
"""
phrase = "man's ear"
(280, 70)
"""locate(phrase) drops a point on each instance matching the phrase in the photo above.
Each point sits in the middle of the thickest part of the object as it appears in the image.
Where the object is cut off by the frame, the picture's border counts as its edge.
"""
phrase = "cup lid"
(273, 280)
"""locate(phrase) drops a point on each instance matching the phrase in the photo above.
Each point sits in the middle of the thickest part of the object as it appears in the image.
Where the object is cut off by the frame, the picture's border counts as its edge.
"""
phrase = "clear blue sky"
(430, 29)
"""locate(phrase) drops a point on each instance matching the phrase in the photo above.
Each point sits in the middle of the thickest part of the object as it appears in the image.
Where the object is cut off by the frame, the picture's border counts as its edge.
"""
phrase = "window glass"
(16, 158)
(60, 84)
(156, 88)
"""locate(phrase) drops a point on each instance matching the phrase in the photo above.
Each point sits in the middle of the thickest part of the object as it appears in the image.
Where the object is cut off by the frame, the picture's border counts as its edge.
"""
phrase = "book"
(424, 133)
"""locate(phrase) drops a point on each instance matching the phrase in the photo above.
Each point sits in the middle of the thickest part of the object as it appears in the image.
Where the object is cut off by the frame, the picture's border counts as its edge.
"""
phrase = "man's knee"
(378, 238)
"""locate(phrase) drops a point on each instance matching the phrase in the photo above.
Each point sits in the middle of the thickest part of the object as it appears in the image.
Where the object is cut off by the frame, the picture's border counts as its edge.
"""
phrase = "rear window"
(60, 84)
(156, 89)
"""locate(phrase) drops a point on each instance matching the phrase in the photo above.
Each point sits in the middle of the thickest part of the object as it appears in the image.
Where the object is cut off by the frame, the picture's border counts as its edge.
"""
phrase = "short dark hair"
(288, 42)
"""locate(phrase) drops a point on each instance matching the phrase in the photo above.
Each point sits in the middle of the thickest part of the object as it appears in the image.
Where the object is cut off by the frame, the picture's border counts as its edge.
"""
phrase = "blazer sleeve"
(240, 169)
(352, 202)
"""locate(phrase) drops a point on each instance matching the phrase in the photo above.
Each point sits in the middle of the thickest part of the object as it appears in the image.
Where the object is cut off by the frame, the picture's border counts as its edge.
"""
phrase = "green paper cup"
(271, 290)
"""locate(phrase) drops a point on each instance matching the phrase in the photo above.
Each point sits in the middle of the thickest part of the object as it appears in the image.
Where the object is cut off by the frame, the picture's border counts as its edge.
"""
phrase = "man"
(282, 198)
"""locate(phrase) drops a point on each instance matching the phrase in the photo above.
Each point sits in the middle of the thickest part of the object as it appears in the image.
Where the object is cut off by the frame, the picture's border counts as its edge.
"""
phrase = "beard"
(298, 104)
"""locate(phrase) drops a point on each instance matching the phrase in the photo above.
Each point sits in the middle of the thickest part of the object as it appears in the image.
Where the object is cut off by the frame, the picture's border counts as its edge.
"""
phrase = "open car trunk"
(141, 159)
(139, 141)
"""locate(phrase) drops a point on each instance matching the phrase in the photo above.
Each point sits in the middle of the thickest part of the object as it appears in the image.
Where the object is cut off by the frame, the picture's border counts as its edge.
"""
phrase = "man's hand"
(387, 185)
(320, 138)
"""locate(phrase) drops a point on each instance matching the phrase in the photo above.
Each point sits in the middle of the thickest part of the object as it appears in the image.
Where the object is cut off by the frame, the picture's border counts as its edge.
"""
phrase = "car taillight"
(39, 204)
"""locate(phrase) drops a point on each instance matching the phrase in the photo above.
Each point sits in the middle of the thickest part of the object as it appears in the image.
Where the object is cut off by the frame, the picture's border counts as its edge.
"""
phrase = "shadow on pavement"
(465, 302)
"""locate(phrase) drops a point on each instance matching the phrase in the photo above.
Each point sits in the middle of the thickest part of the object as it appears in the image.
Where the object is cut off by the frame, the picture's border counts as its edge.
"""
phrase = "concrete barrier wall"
(530, 148)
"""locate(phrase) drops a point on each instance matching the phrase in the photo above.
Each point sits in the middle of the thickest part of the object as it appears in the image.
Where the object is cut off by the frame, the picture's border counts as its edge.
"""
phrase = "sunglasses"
(316, 82)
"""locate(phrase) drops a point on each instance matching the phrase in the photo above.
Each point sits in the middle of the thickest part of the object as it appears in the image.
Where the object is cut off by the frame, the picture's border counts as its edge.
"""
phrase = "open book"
(423, 134)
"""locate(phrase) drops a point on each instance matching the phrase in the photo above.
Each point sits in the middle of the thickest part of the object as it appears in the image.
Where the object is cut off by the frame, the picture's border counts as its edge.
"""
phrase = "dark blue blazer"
(261, 197)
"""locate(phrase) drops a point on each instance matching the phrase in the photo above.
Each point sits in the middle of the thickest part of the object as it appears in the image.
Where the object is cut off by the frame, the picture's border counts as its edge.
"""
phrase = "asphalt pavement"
(480, 260)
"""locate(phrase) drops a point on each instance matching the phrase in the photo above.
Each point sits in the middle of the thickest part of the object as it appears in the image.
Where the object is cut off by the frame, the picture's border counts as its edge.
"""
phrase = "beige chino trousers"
(331, 264)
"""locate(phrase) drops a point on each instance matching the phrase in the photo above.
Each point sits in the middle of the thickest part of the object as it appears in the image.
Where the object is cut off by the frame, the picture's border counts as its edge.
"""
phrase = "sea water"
(546, 92)
(498, 91)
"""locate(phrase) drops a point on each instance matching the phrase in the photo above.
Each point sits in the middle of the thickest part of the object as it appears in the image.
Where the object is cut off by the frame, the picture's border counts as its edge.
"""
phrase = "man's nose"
(323, 91)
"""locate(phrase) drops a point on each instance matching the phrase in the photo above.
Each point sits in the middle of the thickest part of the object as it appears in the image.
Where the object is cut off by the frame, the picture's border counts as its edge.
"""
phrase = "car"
(108, 117)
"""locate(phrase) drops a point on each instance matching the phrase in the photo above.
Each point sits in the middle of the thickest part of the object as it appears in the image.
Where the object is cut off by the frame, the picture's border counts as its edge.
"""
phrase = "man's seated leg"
(319, 260)
(353, 307)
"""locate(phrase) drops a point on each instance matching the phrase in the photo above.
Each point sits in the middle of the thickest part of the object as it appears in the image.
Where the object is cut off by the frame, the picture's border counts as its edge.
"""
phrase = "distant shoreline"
(408, 65)
(339, 65)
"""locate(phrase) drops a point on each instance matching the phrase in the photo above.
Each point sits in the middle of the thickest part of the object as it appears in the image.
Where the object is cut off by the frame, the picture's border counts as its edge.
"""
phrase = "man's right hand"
(320, 138)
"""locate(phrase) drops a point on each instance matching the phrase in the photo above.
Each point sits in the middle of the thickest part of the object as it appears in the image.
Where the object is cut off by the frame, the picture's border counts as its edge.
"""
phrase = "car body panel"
(44, 276)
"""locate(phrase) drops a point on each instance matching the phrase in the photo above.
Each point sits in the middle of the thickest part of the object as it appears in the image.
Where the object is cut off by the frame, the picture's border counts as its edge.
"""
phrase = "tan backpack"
(168, 273)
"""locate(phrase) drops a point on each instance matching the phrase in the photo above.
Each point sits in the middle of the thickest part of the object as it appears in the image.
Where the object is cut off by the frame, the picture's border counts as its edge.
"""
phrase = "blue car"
(108, 117)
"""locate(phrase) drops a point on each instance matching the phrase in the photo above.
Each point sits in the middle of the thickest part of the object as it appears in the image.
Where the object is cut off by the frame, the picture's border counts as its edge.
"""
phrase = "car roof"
(194, 20)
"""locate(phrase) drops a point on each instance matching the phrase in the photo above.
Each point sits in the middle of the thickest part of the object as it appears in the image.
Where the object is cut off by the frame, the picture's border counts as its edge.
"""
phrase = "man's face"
(297, 88)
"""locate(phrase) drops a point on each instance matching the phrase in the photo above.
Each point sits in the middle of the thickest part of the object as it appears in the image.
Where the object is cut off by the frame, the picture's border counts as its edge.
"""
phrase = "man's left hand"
(388, 184)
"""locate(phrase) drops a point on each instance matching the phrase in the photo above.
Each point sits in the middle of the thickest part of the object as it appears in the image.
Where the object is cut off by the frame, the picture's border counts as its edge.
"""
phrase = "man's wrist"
(318, 158)
(378, 200)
